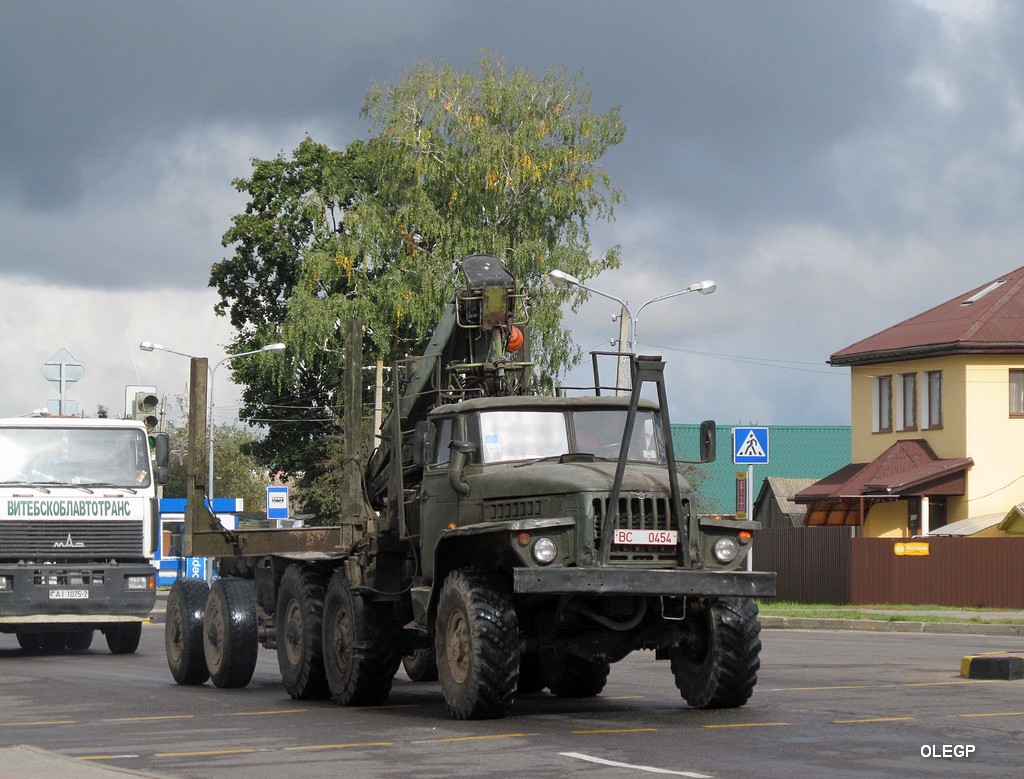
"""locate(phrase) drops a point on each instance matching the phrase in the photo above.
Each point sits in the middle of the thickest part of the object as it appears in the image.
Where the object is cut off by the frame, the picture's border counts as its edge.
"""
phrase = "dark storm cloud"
(786, 148)
(734, 110)
(81, 79)
(730, 106)
(730, 102)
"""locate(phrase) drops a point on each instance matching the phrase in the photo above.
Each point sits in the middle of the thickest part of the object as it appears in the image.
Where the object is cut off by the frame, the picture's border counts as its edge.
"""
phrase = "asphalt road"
(828, 704)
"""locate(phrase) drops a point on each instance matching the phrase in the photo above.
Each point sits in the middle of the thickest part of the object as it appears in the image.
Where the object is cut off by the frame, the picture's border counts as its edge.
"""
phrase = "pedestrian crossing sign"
(750, 445)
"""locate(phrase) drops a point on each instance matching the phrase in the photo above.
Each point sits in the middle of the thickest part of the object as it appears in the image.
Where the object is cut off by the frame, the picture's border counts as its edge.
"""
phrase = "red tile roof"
(989, 318)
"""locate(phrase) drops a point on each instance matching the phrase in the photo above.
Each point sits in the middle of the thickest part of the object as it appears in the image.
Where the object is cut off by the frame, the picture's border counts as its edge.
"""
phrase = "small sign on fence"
(911, 548)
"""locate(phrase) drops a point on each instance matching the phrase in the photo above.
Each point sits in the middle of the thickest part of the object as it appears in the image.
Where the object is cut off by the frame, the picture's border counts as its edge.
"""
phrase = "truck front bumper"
(623, 581)
(75, 593)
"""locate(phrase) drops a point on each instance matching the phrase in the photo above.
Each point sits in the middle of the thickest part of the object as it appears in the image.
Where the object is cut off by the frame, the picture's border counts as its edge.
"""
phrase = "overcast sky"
(835, 167)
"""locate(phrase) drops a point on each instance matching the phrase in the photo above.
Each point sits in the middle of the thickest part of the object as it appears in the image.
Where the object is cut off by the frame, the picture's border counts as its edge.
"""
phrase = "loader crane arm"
(470, 354)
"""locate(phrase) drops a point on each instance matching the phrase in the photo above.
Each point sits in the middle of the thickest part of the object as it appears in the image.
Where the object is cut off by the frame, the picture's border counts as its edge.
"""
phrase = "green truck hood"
(549, 477)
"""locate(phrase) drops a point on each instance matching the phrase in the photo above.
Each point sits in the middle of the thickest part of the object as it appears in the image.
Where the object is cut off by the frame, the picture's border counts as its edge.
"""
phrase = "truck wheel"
(360, 648)
(30, 641)
(80, 640)
(183, 631)
(421, 665)
(716, 662)
(123, 637)
(477, 644)
(299, 621)
(230, 633)
(571, 676)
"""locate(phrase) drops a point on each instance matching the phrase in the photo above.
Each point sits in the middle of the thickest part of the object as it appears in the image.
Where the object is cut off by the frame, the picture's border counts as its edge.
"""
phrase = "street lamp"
(149, 346)
(562, 278)
(279, 347)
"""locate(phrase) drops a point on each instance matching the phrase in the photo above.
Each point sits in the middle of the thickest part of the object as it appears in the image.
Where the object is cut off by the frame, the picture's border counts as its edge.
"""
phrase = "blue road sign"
(277, 503)
(750, 445)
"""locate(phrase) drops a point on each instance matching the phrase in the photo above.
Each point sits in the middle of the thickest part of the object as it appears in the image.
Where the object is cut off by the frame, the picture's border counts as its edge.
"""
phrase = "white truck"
(78, 530)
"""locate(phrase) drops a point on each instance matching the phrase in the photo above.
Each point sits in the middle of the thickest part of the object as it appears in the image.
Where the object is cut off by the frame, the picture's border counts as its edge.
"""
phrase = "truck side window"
(442, 452)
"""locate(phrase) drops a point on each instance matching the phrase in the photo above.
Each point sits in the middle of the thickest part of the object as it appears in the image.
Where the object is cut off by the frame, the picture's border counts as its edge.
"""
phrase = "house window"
(931, 400)
(1016, 392)
(881, 404)
(908, 402)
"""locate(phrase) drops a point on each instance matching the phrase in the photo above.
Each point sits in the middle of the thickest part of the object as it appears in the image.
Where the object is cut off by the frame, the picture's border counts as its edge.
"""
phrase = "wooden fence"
(827, 565)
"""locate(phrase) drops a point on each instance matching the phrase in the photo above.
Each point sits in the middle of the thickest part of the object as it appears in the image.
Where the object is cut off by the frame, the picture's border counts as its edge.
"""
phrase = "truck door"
(438, 502)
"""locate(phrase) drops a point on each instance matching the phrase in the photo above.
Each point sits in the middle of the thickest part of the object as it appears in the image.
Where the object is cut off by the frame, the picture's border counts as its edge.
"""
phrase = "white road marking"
(647, 768)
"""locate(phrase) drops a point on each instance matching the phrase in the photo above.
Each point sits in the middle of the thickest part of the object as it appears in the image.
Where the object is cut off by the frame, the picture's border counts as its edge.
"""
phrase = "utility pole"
(625, 323)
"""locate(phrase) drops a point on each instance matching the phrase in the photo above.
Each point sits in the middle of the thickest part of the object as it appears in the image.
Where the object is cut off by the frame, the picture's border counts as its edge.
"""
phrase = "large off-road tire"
(477, 644)
(230, 641)
(571, 676)
(421, 664)
(716, 662)
(298, 620)
(359, 644)
(183, 631)
(80, 640)
(123, 637)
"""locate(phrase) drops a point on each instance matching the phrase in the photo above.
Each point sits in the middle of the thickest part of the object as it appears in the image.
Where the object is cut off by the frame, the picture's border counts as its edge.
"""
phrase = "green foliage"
(492, 161)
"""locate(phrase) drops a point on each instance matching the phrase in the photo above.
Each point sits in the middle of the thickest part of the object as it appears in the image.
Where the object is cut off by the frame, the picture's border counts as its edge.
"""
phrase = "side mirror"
(460, 450)
(707, 441)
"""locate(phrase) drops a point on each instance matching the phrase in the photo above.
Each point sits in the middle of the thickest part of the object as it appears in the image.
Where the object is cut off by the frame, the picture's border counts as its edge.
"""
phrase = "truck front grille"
(43, 540)
(638, 512)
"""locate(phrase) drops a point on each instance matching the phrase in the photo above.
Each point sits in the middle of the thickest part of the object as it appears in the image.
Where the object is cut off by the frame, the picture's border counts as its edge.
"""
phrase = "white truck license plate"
(646, 537)
(69, 594)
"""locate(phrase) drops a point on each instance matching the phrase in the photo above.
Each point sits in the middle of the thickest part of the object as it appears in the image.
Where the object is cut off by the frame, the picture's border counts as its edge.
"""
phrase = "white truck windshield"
(506, 436)
(74, 456)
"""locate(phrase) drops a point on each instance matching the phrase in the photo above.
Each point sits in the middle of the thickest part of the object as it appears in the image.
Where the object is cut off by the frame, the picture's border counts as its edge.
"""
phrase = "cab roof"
(541, 402)
(81, 422)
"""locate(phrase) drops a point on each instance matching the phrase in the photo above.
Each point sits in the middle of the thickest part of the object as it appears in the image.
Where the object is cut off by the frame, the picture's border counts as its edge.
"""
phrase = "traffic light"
(144, 409)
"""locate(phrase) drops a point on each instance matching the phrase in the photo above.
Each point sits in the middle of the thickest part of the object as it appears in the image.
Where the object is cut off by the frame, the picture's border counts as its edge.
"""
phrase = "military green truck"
(498, 541)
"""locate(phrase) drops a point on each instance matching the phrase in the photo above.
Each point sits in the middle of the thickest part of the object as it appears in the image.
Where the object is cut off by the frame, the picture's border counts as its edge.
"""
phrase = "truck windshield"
(600, 433)
(74, 456)
(528, 435)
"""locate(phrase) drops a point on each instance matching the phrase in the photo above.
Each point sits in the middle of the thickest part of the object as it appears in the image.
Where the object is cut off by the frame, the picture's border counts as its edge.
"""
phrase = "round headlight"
(725, 549)
(544, 550)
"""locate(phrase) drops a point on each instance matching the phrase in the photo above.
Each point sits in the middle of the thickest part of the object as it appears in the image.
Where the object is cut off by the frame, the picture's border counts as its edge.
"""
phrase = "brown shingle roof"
(906, 468)
(989, 318)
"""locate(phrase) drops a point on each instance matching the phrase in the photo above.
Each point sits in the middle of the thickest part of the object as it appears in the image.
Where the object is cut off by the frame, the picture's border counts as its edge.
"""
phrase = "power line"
(766, 362)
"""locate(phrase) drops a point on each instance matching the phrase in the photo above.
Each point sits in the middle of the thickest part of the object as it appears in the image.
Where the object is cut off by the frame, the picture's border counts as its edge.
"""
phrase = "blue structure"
(798, 452)
(171, 565)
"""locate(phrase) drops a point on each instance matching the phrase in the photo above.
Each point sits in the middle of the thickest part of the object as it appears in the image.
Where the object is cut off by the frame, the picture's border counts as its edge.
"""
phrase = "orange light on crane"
(515, 339)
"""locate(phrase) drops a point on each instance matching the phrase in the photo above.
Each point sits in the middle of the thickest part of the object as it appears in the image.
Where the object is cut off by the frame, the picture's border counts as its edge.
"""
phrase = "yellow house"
(937, 418)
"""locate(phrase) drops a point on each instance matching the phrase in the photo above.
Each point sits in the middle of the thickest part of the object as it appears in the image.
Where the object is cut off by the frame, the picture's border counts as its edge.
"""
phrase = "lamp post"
(278, 347)
(562, 278)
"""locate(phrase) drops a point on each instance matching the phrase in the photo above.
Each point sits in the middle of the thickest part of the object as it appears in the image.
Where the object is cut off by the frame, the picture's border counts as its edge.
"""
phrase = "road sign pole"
(750, 512)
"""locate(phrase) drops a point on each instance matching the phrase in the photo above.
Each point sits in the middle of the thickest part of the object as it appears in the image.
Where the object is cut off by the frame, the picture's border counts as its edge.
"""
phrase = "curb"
(29, 762)
(994, 666)
(889, 626)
